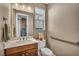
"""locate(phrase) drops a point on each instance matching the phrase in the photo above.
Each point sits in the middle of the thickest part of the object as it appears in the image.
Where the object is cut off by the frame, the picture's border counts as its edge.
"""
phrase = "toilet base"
(45, 52)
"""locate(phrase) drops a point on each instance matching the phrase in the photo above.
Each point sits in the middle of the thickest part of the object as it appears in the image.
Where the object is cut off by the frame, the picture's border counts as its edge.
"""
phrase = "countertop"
(16, 43)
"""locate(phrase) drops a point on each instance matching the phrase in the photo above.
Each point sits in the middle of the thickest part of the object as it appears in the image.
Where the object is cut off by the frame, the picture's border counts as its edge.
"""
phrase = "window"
(39, 19)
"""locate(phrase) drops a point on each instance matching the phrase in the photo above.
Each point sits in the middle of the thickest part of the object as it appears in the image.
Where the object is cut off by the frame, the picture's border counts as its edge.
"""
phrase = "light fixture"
(16, 4)
(23, 6)
(29, 8)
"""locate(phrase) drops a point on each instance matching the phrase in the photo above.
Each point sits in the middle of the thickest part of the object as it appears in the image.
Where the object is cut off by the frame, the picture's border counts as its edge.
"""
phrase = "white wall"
(63, 24)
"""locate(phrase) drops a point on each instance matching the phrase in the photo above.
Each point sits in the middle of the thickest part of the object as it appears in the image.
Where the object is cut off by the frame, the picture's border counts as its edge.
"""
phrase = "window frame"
(42, 27)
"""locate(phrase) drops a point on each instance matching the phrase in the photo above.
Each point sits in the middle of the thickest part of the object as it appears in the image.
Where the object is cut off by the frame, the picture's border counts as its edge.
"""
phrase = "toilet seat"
(46, 52)
(43, 50)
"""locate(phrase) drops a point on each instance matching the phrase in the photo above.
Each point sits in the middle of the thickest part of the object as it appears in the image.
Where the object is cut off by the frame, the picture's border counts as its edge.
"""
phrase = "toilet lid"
(46, 52)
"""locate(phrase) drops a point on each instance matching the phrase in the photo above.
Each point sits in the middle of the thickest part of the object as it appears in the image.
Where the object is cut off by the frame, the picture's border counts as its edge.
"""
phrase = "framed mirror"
(20, 20)
(22, 26)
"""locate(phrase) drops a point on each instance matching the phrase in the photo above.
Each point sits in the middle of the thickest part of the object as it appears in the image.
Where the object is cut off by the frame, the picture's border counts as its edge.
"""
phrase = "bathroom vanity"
(25, 48)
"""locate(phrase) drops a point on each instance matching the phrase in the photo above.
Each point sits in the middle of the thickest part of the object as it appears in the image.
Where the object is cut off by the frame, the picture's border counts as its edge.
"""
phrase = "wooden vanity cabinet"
(25, 50)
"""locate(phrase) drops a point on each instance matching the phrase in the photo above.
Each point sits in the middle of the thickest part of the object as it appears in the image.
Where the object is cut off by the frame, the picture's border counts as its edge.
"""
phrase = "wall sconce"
(16, 4)
(23, 6)
(29, 8)
(4, 19)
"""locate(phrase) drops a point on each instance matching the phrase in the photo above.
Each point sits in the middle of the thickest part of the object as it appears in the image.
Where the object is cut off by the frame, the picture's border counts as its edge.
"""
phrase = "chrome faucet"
(23, 38)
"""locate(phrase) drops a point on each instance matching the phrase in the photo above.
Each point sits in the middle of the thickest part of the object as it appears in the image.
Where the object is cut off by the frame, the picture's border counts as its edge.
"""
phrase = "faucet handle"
(23, 38)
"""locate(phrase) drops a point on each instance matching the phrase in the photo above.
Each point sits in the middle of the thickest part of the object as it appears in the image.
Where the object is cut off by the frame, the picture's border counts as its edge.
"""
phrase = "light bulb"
(16, 4)
(23, 6)
(29, 8)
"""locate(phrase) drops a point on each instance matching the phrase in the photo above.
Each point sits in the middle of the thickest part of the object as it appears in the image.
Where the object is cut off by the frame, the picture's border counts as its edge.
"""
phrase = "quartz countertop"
(16, 43)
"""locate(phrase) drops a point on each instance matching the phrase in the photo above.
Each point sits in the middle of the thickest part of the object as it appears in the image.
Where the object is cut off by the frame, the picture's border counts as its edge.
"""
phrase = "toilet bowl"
(46, 52)
(43, 50)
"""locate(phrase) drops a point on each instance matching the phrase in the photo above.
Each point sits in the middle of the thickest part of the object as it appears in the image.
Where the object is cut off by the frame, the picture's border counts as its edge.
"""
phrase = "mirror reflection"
(23, 27)
(21, 24)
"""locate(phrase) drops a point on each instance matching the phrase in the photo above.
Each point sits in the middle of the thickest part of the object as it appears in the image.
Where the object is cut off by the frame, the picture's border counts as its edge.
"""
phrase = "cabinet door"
(32, 52)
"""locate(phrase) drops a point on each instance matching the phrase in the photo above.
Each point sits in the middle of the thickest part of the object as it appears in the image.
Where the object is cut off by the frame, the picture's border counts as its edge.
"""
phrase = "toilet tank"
(41, 44)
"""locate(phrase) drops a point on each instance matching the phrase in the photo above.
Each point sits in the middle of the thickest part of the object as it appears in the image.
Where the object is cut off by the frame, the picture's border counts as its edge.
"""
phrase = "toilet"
(43, 50)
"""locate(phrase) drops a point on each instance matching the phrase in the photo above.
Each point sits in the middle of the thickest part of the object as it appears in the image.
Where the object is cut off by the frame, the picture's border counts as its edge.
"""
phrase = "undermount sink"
(23, 41)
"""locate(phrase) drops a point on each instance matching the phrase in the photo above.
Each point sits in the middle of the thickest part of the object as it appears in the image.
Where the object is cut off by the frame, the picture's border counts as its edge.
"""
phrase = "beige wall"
(1, 31)
(3, 13)
(63, 24)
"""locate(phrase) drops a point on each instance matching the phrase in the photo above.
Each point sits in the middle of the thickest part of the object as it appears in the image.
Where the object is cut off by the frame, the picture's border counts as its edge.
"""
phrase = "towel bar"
(64, 40)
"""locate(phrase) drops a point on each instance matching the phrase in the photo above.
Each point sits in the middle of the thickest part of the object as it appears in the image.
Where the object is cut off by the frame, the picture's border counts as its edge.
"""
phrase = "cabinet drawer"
(31, 46)
(11, 51)
(18, 54)
(27, 47)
